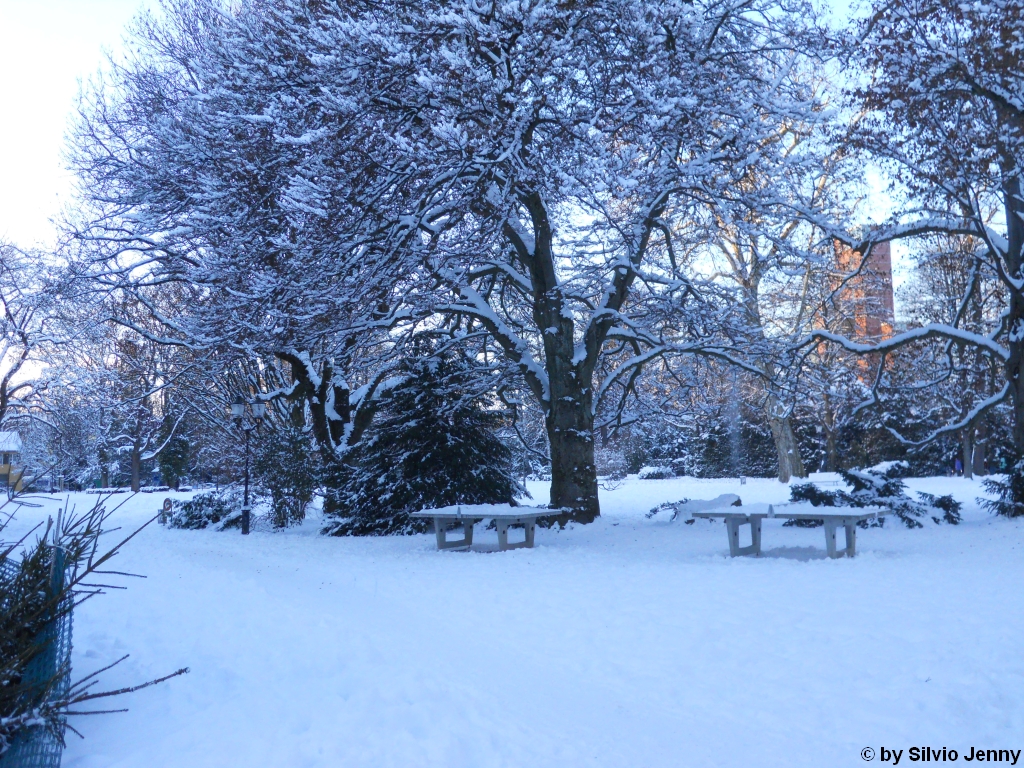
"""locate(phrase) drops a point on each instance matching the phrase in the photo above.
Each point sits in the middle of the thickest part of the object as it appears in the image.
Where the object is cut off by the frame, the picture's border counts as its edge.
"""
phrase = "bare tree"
(324, 179)
(25, 329)
(943, 111)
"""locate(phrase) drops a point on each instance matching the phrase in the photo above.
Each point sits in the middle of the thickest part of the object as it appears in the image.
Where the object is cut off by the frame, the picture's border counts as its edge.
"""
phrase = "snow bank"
(629, 642)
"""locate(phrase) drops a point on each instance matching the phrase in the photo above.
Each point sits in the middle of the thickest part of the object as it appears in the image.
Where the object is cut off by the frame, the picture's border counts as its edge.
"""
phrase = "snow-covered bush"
(891, 469)
(881, 488)
(434, 445)
(656, 473)
(1007, 489)
(949, 507)
(286, 475)
(668, 506)
(221, 509)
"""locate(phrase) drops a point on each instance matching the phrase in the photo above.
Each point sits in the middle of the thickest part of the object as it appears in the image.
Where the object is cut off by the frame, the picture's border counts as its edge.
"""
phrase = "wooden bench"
(468, 515)
(834, 518)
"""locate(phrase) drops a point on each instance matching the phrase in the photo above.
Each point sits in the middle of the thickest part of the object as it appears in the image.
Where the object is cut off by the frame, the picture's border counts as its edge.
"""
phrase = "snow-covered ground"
(629, 642)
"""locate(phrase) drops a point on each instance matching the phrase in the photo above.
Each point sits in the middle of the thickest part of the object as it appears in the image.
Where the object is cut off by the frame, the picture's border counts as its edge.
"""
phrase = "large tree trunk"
(569, 420)
(1015, 375)
(831, 451)
(570, 428)
(828, 426)
(967, 450)
(1014, 208)
(980, 447)
(565, 387)
(787, 449)
(136, 469)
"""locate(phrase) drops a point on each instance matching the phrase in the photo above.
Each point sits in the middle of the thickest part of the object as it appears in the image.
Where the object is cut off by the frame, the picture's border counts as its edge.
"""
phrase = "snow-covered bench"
(833, 518)
(468, 515)
(825, 479)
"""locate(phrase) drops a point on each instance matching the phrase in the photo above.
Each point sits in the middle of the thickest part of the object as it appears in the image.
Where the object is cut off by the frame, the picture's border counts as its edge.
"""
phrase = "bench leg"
(831, 528)
(503, 544)
(830, 539)
(442, 543)
(733, 527)
(851, 540)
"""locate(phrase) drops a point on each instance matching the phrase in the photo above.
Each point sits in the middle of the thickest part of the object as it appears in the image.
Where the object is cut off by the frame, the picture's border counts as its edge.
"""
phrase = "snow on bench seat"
(484, 512)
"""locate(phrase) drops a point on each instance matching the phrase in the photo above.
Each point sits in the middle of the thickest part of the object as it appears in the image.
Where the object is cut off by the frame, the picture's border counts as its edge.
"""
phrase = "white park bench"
(833, 518)
(468, 515)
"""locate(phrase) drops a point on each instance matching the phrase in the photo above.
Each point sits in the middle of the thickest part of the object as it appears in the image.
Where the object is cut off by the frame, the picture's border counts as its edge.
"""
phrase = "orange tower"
(865, 299)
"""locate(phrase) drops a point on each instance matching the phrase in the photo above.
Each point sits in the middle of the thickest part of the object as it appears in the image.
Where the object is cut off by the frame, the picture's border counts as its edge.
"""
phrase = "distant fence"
(39, 747)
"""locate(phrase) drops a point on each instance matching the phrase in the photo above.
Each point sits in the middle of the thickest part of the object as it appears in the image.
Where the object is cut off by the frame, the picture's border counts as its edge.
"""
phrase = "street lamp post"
(258, 410)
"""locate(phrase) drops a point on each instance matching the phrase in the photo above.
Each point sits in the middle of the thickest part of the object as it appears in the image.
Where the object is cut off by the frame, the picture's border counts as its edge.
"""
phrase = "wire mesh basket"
(41, 746)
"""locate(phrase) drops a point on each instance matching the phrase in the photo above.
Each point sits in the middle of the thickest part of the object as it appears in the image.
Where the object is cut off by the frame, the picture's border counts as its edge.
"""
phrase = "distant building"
(11, 471)
(865, 300)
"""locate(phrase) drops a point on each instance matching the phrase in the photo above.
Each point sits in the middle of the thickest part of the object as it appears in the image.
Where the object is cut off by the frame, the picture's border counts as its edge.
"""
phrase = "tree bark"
(136, 469)
(967, 450)
(329, 405)
(828, 426)
(787, 449)
(1015, 375)
(980, 448)
(570, 428)
(1014, 208)
(831, 451)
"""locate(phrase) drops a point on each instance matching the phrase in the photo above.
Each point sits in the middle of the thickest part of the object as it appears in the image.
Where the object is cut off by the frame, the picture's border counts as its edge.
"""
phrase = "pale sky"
(46, 47)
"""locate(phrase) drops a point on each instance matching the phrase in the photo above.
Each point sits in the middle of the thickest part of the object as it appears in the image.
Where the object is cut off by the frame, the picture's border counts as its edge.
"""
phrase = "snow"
(931, 330)
(651, 473)
(482, 511)
(10, 441)
(628, 642)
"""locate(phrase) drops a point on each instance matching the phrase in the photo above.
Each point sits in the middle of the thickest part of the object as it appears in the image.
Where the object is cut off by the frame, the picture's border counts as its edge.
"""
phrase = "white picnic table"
(834, 518)
(468, 515)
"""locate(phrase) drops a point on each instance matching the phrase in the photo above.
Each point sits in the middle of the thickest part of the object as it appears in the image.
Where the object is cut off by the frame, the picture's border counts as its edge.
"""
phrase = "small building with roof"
(11, 470)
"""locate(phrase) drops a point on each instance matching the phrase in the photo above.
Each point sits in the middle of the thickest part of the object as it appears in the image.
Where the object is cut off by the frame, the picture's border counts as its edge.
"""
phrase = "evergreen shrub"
(220, 509)
(286, 475)
(656, 473)
(435, 444)
(881, 487)
(1009, 492)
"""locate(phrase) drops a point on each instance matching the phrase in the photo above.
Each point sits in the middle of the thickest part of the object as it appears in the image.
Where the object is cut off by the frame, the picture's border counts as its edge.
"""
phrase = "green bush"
(222, 509)
(435, 444)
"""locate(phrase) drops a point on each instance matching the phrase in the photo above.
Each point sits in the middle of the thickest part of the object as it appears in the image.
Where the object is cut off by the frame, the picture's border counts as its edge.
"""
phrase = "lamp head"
(259, 410)
(238, 408)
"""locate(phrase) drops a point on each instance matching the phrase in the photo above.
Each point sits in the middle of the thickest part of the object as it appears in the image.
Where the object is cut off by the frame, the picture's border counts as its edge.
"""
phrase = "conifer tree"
(435, 444)
(284, 472)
